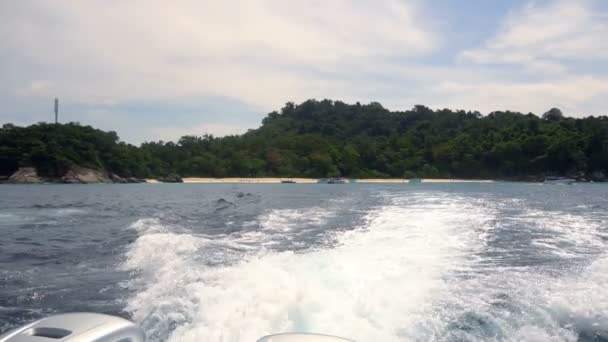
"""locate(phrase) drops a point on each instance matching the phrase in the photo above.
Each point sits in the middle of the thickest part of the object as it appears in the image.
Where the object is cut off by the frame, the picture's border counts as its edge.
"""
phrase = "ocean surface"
(401, 262)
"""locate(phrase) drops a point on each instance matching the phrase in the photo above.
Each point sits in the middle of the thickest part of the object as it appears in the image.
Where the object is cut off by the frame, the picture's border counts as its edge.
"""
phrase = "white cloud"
(546, 38)
(574, 95)
(36, 88)
(542, 56)
(262, 51)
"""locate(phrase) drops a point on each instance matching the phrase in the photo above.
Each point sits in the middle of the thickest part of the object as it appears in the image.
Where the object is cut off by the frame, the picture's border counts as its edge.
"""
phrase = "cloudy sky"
(152, 69)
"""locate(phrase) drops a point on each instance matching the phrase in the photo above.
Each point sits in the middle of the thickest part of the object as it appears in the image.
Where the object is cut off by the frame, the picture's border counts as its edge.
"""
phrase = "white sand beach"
(247, 180)
(234, 180)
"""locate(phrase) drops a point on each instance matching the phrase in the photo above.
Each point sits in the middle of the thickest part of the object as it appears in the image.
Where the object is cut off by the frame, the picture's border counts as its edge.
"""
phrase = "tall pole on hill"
(56, 110)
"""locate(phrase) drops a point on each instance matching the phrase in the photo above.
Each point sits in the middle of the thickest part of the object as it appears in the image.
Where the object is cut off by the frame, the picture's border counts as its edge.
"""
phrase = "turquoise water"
(402, 262)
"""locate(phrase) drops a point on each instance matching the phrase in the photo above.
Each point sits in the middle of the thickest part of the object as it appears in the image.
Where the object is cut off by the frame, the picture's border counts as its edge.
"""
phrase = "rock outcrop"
(598, 176)
(120, 180)
(117, 179)
(172, 178)
(75, 175)
(83, 175)
(25, 175)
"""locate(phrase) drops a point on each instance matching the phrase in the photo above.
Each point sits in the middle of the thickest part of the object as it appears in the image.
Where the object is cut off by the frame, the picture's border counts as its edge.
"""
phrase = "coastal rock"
(172, 178)
(598, 176)
(25, 175)
(578, 176)
(70, 178)
(83, 175)
(117, 179)
(120, 180)
(532, 178)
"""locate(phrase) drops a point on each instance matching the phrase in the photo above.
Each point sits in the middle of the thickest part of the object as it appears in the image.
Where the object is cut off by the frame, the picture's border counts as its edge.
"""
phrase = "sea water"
(400, 262)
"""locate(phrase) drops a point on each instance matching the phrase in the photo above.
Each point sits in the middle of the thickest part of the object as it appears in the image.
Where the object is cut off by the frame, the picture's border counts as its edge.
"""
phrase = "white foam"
(277, 225)
(582, 300)
(528, 303)
(416, 270)
(379, 283)
(10, 218)
(283, 220)
(519, 304)
(149, 226)
(564, 234)
(68, 212)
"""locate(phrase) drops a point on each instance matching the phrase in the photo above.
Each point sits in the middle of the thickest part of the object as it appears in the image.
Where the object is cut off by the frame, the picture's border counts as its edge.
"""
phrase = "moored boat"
(559, 180)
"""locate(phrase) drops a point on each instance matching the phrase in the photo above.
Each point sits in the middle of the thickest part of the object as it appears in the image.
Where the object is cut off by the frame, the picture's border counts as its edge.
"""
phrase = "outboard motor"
(77, 327)
(92, 327)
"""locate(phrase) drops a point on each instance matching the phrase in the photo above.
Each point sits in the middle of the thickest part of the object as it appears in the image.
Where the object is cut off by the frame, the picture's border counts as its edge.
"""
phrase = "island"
(323, 139)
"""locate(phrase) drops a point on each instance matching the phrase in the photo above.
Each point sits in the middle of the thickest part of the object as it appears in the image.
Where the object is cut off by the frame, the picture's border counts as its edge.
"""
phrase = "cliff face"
(25, 175)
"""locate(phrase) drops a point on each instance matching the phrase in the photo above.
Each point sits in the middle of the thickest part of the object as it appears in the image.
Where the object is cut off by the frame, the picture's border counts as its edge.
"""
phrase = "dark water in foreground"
(444, 262)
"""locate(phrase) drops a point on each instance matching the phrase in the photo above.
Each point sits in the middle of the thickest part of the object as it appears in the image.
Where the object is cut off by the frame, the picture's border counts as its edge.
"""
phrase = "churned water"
(423, 262)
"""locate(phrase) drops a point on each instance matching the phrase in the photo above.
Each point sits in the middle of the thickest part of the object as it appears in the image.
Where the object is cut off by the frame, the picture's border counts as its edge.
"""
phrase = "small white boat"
(560, 180)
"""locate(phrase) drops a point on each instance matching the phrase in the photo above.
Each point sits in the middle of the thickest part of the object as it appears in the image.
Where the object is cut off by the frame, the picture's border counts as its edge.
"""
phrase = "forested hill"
(332, 138)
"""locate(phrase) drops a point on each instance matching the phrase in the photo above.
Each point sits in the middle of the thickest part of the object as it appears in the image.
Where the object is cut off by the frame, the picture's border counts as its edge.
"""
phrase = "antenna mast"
(56, 110)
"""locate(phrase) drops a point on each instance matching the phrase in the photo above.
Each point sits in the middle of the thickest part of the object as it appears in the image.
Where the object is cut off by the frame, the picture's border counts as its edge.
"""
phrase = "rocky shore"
(74, 175)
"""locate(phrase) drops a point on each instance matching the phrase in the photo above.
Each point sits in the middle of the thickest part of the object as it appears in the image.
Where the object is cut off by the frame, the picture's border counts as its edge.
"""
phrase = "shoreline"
(275, 180)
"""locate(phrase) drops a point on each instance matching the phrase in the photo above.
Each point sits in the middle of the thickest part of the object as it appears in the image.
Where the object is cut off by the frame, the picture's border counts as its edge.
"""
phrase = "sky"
(157, 70)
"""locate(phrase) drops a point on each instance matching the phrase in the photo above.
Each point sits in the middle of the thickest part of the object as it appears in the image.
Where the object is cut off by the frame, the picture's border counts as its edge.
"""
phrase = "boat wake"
(421, 267)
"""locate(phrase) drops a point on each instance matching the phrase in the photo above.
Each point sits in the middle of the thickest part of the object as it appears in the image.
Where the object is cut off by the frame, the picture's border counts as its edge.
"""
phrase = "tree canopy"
(331, 138)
